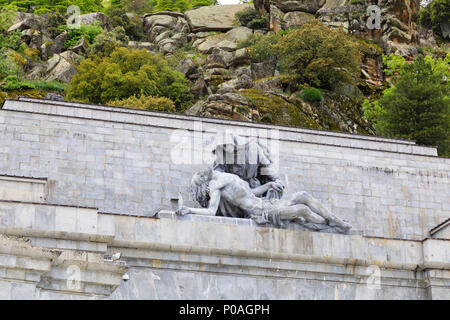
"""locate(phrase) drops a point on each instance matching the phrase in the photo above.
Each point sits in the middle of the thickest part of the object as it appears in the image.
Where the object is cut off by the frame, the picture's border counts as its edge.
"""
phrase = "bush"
(7, 15)
(318, 55)
(312, 95)
(128, 72)
(132, 27)
(7, 66)
(12, 41)
(14, 83)
(47, 6)
(437, 12)
(145, 103)
(260, 46)
(90, 32)
(55, 23)
(108, 41)
(250, 18)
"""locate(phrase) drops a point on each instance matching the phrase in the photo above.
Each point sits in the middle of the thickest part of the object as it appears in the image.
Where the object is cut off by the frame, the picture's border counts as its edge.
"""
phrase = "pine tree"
(418, 107)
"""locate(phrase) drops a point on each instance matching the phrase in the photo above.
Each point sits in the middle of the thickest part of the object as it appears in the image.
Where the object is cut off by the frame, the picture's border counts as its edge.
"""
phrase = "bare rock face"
(167, 31)
(61, 69)
(296, 19)
(94, 17)
(397, 27)
(213, 18)
(310, 6)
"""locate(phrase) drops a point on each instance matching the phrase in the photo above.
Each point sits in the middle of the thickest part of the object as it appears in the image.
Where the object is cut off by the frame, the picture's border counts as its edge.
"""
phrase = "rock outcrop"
(213, 18)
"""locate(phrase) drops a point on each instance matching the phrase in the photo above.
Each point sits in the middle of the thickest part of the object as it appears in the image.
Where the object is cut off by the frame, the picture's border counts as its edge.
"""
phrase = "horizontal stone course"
(126, 166)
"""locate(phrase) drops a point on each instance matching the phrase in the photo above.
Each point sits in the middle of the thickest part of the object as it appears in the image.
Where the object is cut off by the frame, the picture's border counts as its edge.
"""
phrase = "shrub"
(435, 13)
(7, 15)
(108, 41)
(12, 41)
(7, 66)
(250, 18)
(260, 46)
(47, 6)
(312, 95)
(318, 55)
(132, 26)
(128, 72)
(145, 103)
(90, 32)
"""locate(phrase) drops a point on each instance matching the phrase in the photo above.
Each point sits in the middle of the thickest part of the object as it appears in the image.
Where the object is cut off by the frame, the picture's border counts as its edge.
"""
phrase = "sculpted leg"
(301, 212)
(317, 207)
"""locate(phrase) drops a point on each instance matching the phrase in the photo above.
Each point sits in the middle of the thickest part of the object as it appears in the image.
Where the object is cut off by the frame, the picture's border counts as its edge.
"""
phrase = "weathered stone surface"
(159, 20)
(296, 19)
(57, 44)
(269, 84)
(96, 17)
(208, 44)
(60, 69)
(81, 47)
(218, 59)
(187, 66)
(71, 56)
(263, 69)
(143, 45)
(242, 82)
(241, 56)
(310, 6)
(213, 18)
(28, 21)
(238, 34)
(32, 38)
(196, 109)
(276, 19)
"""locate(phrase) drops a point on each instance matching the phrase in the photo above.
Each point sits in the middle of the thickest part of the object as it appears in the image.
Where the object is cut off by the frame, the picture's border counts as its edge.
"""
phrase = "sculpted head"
(200, 187)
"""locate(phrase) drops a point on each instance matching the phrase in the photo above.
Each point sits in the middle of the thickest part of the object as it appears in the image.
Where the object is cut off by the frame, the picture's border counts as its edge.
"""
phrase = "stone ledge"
(124, 115)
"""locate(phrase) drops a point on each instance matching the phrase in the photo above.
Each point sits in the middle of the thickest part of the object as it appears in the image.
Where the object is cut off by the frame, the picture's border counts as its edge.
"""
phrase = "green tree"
(435, 13)
(201, 3)
(128, 72)
(46, 6)
(418, 106)
(165, 5)
(131, 25)
(318, 55)
(107, 41)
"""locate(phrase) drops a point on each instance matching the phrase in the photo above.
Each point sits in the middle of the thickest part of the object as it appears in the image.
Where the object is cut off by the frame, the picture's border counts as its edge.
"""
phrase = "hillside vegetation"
(312, 64)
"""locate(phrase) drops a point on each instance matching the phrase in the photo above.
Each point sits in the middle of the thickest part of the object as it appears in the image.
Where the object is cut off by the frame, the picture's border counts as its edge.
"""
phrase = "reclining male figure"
(300, 207)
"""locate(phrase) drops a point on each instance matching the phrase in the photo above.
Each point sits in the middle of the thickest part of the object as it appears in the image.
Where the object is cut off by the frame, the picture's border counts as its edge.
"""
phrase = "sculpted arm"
(213, 205)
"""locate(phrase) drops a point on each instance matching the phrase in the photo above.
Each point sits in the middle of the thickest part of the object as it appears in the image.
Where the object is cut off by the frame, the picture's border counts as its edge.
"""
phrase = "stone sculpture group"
(243, 183)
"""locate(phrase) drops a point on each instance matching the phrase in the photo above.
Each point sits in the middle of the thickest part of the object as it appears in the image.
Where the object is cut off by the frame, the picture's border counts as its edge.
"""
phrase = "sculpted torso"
(235, 190)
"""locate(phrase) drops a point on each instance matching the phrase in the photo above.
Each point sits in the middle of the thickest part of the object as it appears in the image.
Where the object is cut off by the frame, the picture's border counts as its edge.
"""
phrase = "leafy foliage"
(106, 42)
(7, 15)
(128, 72)
(145, 103)
(251, 18)
(435, 13)
(312, 95)
(47, 6)
(12, 41)
(418, 107)
(14, 83)
(90, 32)
(318, 55)
(132, 26)
(260, 46)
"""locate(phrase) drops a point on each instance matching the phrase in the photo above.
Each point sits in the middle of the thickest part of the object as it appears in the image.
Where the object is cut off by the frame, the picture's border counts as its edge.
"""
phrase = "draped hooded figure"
(249, 160)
